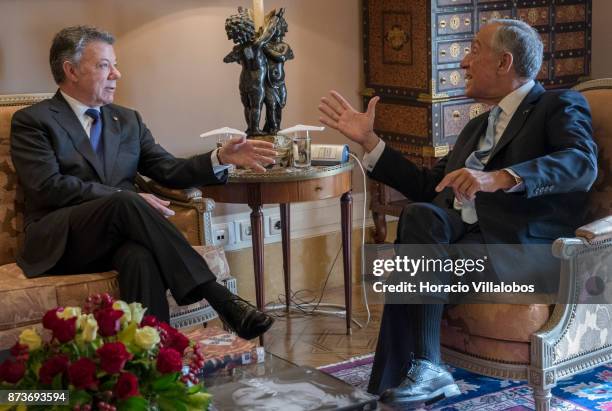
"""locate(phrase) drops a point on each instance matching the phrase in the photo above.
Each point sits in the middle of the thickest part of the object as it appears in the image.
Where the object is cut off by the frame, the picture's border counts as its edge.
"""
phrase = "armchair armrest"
(596, 231)
(193, 212)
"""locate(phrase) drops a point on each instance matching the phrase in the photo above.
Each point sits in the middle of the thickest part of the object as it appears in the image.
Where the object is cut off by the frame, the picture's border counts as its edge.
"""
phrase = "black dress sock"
(427, 320)
(215, 294)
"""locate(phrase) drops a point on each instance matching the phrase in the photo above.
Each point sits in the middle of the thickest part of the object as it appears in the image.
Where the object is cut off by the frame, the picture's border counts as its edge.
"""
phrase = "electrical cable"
(304, 306)
(365, 197)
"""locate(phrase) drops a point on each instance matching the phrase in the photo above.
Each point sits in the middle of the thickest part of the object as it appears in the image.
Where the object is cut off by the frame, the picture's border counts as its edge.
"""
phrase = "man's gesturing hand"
(158, 204)
(340, 115)
(466, 182)
(251, 154)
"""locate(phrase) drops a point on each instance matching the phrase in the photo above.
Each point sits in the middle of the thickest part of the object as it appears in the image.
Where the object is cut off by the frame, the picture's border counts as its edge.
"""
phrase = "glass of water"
(301, 151)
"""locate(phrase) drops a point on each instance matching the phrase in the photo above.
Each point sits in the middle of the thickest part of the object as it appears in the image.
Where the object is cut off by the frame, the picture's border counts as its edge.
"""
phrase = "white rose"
(90, 328)
(69, 312)
(127, 313)
(30, 338)
(146, 337)
(137, 312)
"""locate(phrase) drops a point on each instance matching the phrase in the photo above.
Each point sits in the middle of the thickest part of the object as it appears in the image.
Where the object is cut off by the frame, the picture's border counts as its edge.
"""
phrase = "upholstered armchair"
(545, 343)
(26, 300)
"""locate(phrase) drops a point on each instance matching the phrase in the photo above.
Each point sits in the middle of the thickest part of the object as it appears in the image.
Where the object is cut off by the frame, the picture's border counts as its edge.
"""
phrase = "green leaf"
(193, 389)
(78, 397)
(126, 336)
(167, 404)
(165, 382)
(134, 404)
(199, 401)
(56, 384)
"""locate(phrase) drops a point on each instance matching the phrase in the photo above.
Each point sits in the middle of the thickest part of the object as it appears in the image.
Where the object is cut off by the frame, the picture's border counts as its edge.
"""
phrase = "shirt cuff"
(370, 159)
(518, 187)
(217, 167)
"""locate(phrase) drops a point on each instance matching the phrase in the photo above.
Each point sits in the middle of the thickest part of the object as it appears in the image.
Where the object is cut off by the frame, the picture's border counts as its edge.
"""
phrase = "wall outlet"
(274, 225)
(245, 230)
(222, 234)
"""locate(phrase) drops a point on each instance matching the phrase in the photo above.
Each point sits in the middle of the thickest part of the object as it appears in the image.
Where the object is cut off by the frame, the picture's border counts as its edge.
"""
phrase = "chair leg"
(542, 398)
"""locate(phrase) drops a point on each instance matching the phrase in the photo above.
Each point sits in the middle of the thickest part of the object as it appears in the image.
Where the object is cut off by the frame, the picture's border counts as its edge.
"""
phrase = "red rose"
(169, 360)
(179, 342)
(113, 357)
(52, 367)
(149, 320)
(12, 371)
(21, 352)
(127, 386)
(82, 373)
(108, 321)
(65, 330)
(50, 319)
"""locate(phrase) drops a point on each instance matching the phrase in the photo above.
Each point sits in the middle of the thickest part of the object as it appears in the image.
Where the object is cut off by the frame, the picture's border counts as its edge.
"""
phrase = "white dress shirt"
(508, 104)
(80, 109)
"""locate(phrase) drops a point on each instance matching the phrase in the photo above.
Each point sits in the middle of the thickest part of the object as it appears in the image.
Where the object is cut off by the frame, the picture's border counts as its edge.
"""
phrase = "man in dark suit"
(518, 174)
(77, 155)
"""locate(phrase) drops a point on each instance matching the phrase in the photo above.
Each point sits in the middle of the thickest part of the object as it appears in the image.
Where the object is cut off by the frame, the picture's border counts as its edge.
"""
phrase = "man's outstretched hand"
(340, 115)
(251, 154)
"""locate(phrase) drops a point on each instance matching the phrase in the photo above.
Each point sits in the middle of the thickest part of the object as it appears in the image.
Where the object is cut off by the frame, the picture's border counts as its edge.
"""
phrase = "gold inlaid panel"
(569, 67)
(453, 51)
(574, 13)
(570, 41)
(484, 16)
(397, 44)
(454, 23)
(546, 41)
(456, 116)
(535, 16)
(544, 71)
(402, 119)
(451, 79)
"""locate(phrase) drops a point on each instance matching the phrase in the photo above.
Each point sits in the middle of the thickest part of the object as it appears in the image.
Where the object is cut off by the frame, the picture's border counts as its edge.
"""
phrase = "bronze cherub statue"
(262, 55)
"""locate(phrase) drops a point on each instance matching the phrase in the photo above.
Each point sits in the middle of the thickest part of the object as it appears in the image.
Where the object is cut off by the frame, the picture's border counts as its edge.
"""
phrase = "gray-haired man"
(517, 175)
(77, 155)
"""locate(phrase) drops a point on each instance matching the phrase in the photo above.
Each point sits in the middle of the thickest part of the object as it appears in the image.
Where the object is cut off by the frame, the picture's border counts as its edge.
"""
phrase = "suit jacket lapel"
(518, 119)
(111, 134)
(463, 150)
(69, 122)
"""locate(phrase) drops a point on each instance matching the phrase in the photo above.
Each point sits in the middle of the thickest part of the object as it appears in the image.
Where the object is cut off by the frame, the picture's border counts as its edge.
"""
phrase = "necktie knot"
(494, 114)
(93, 113)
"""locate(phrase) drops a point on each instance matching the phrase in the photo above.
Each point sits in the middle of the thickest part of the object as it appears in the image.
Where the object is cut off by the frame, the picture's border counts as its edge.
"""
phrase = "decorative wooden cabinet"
(412, 54)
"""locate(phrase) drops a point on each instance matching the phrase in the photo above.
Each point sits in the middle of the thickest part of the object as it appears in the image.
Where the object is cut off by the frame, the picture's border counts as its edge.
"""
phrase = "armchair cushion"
(499, 332)
(26, 300)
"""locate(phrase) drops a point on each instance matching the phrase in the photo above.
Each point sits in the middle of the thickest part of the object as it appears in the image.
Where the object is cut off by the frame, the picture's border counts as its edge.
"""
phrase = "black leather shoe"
(243, 318)
(425, 383)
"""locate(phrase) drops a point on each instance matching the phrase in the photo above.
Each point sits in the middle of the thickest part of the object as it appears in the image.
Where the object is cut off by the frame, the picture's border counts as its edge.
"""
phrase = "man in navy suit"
(518, 174)
(77, 155)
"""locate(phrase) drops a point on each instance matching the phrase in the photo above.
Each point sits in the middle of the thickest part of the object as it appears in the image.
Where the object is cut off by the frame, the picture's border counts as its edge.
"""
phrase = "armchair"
(27, 299)
(540, 343)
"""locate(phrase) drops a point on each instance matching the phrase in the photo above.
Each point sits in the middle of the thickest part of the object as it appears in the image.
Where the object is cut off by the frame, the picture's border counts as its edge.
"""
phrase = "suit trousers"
(409, 330)
(123, 232)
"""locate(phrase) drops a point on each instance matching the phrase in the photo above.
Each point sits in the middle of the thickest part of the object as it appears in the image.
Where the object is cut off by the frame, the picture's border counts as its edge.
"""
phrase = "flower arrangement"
(110, 357)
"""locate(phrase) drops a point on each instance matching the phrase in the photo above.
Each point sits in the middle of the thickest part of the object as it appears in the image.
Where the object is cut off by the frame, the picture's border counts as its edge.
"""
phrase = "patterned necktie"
(477, 161)
(95, 133)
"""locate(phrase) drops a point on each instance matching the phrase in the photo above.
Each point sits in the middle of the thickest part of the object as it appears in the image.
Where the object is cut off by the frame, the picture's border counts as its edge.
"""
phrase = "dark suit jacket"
(548, 142)
(58, 169)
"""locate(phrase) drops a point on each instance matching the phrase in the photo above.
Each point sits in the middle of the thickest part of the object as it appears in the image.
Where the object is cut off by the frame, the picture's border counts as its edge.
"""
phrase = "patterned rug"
(591, 390)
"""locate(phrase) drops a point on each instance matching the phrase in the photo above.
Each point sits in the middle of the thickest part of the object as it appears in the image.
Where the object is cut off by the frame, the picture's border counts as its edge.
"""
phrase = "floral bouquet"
(110, 356)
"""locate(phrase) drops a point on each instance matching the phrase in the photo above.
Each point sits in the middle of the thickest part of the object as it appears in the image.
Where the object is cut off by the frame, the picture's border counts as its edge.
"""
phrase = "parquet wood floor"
(320, 339)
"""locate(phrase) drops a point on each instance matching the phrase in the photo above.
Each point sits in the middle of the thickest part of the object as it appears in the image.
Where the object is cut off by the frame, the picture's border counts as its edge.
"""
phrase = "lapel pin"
(115, 118)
